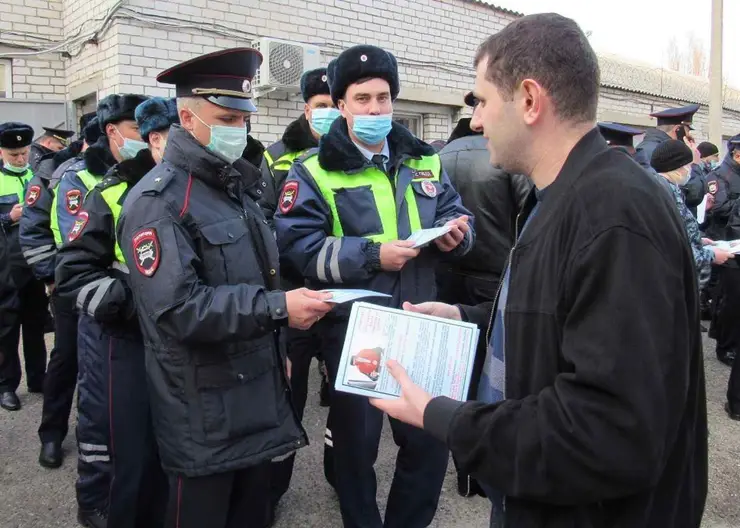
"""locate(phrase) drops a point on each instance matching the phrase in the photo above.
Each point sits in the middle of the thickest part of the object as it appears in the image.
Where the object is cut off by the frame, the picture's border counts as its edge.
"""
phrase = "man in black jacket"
(204, 277)
(494, 197)
(584, 417)
(51, 141)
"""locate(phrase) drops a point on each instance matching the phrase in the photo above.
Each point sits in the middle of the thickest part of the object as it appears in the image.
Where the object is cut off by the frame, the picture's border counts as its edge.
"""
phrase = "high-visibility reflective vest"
(13, 188)
(113, 196)
(89, 181)
(283, 163)
(329, 182)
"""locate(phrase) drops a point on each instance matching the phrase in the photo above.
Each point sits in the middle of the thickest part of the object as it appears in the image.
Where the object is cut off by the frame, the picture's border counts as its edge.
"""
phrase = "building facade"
(59, 57)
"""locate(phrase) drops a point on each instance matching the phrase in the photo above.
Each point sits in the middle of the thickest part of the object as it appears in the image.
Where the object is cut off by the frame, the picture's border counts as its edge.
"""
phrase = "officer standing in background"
(119, 140)
(53, 140)
(15, 141)
(204, 276)
(674, 123)
(300, 136)
(724, 224)
(619, 136)
(93, 274)
(343, 217)
(40, 251)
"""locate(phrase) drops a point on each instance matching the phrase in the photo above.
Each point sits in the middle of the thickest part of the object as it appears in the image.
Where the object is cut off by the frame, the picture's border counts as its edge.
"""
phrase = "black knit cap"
(671, 155)
(706, 148)
(362, 62)
(314, 82)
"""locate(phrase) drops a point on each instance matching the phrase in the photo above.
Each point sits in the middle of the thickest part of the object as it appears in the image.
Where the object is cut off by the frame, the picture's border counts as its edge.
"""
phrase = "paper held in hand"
(425, 236)
(733, 246)
(438, 354)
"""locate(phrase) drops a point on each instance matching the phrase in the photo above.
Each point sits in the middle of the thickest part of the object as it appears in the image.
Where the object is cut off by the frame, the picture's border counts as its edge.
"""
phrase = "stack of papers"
(733, 246)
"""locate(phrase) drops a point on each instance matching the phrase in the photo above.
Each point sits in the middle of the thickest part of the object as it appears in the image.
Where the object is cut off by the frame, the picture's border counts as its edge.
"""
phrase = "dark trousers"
(61, 374)
(355, 429)
(138, 486)
(728, 315)
(33, 314)
(303, 346)
(93, 429)
(733, 387)
(237, 499)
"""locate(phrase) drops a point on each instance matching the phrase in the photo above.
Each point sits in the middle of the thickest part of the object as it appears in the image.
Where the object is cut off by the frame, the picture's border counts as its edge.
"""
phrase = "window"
(413, 122)
(5, 78)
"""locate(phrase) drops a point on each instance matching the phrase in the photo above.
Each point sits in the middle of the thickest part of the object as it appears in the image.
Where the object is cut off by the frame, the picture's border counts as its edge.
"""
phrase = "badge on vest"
(429, 189)
(146, 251)
(78, 226)
(713, 187)
(33, 194)
(289, 196)
(73, 201)
(423, 174)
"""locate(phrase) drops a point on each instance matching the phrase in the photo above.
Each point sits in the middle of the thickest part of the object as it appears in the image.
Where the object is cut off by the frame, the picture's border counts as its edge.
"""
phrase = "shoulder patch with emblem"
(78, 226)
(34, 191)
(423, 174)
(147, 251)
(429, 189)
(289, 196)
(712, 187)
(73, 201)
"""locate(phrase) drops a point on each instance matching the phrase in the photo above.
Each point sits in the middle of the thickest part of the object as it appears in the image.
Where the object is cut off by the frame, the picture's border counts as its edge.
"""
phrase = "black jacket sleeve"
(268, 200)
(601, 430)
(176, 299)
(85, 270)
(693, 191)
(35, 234)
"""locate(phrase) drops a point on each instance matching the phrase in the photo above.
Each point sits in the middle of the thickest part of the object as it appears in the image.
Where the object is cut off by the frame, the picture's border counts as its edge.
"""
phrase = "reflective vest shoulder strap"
(112, 196)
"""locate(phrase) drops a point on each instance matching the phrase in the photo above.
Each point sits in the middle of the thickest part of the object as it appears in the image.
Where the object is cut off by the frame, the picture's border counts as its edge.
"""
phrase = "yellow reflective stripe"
(413, 209)
(268, 158)
(112, 196)
(431, 163)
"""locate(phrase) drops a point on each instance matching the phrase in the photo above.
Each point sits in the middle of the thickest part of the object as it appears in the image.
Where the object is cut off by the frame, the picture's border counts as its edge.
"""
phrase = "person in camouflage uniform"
(672, 162)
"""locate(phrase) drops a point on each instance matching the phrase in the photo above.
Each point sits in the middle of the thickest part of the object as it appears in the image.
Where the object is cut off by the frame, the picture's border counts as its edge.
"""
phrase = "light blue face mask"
(131, 147)
(226, 141)
(372, 129)
(713, 164)
(17, 170)
(322, 119)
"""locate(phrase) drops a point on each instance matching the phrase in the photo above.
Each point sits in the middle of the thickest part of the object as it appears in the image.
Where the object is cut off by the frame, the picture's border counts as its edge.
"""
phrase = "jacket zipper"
(493, 312)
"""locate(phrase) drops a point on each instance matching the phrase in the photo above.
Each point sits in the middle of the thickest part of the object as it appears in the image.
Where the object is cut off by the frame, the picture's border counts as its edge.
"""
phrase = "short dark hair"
(552, 50)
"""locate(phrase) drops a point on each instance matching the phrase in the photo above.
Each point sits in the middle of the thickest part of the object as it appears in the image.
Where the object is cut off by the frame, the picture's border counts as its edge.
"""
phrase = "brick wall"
(26, 26)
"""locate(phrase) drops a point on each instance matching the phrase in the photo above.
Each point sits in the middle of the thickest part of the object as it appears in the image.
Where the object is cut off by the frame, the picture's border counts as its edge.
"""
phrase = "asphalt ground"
(34, 497)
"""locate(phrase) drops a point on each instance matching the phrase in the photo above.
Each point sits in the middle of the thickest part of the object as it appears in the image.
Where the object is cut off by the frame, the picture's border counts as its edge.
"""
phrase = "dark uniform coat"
(203, 271)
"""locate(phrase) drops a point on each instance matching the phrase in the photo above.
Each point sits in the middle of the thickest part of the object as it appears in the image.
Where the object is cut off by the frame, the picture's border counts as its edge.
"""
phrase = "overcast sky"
(641, 29)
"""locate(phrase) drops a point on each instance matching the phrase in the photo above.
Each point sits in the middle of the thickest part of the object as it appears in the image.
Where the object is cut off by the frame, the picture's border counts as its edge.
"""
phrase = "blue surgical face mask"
(131, 147)
(17, 170)
(713, 164)
(372, 129)
(226, 141)
(322, 119)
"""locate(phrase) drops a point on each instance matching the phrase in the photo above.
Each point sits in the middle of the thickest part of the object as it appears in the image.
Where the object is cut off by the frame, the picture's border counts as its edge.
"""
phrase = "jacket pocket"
(238, 397)
(228, 253)
(358, 213)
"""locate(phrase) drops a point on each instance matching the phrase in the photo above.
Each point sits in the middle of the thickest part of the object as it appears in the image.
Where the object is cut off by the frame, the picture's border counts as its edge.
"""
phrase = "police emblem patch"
(73, 201)
(289, 196)
(429, 189)
(712, 187)
(146, 251)
(78, 226)
(34, 191)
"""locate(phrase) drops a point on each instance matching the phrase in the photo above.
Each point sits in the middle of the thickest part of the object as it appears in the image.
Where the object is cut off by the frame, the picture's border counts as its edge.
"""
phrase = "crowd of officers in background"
(111, 288)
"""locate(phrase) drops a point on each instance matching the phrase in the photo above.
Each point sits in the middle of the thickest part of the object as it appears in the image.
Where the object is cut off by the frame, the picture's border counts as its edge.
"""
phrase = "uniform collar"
(369, 155)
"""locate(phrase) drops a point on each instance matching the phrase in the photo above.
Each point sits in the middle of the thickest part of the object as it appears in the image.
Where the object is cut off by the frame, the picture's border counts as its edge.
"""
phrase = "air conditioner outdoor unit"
(283, 63)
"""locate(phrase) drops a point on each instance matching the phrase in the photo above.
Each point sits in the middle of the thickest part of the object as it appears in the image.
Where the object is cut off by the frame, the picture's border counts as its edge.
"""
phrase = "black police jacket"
(88, 274)
(36, 154)
(9, 301)
(604, 422)
(493, 196)
(204, 274)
